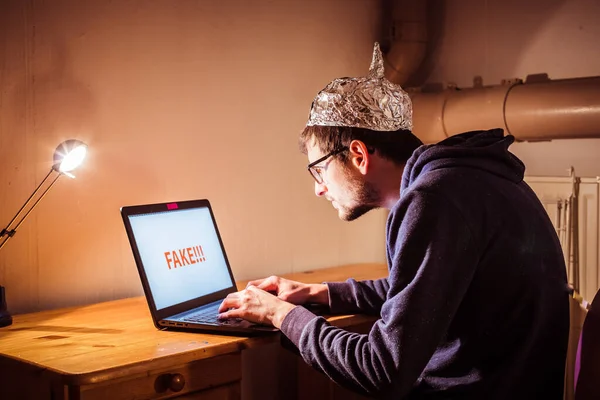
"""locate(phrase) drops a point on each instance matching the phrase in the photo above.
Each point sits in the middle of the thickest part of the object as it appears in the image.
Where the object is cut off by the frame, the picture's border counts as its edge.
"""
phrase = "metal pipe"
(531, 111)
(568, 108)
(408, 36)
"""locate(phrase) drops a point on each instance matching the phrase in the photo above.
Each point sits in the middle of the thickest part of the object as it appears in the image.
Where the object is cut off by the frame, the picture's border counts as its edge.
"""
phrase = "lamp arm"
(10, 232)
(25, 205)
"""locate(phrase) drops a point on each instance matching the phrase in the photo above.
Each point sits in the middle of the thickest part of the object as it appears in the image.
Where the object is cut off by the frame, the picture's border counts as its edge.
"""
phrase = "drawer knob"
(177, 382)
(173, 382)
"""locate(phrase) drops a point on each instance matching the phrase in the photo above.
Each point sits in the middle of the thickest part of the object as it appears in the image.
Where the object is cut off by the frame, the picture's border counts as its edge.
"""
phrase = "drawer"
(216, 375)
(230, 391)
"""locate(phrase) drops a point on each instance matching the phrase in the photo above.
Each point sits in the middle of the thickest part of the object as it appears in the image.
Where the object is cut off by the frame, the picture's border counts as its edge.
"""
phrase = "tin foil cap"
(370, 102)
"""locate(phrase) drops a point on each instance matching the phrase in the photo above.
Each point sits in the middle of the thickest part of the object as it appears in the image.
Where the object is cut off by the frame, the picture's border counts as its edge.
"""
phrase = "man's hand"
(255, 305)
(292, 291)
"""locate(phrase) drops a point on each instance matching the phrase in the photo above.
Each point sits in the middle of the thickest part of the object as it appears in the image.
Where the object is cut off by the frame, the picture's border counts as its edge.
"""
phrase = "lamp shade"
(69, 155)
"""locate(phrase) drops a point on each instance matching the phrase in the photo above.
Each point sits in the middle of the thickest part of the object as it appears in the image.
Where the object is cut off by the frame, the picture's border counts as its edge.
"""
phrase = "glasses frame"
(317, 175)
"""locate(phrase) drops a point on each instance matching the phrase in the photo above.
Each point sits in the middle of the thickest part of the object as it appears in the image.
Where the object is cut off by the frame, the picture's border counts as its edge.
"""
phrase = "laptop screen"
(181, 255)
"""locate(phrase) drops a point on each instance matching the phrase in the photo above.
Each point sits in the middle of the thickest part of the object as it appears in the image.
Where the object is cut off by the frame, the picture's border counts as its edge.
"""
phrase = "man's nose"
(320, 189)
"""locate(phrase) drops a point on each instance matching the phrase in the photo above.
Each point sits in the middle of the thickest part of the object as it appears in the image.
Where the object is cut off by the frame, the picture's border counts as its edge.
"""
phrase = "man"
(476, 302)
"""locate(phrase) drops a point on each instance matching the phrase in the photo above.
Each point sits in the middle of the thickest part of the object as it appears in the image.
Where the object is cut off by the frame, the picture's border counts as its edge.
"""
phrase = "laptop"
(183, 266)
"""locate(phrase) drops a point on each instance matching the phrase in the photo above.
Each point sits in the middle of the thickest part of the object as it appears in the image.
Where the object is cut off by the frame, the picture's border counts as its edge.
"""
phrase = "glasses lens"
(315, 174)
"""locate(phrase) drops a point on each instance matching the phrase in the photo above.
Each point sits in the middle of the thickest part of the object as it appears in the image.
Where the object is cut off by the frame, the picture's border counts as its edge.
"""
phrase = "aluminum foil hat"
(370, 102)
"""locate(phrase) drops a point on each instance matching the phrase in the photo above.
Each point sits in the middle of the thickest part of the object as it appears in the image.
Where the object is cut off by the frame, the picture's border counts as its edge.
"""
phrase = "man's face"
(343, 185)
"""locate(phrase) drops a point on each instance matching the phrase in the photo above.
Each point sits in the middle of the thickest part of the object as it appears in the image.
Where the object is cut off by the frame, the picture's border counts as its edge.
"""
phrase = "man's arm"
(363, 297)
(433, 260)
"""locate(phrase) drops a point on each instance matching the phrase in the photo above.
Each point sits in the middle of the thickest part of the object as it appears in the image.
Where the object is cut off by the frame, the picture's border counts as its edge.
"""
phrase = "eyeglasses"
(316, 171)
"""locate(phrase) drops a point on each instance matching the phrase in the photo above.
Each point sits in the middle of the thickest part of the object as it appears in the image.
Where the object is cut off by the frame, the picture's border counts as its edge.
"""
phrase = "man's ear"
(359, 156)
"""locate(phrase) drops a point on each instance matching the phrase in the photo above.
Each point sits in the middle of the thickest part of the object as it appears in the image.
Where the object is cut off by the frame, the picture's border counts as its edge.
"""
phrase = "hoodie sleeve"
(433, 257)
(363, 297)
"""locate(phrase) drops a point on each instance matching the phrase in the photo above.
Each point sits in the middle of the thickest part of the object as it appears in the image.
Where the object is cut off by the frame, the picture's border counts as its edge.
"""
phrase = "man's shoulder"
(438, 184)
(422, 198)
(439, 191)
(462, 185)
(440, 179)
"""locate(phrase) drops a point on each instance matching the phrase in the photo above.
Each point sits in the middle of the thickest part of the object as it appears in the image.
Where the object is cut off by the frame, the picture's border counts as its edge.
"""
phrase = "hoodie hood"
(483, 150)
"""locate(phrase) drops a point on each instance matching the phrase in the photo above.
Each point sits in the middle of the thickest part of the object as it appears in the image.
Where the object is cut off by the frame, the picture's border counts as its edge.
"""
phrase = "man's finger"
(270, 284)
(231, 301)
(233, 313)
(258, 289)
(255, 282)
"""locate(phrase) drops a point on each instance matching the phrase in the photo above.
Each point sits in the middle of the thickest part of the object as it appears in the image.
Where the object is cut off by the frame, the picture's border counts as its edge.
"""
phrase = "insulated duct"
(539, 109)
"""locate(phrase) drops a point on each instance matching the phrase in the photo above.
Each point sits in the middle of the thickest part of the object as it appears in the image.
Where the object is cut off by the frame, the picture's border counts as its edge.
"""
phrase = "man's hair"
(396, 146)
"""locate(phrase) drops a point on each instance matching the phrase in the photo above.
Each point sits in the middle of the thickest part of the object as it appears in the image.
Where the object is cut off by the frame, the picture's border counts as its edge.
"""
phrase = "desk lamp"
(67, 156)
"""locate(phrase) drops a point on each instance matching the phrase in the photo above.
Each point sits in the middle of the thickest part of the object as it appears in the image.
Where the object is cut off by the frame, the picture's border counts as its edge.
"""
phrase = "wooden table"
(113, 351)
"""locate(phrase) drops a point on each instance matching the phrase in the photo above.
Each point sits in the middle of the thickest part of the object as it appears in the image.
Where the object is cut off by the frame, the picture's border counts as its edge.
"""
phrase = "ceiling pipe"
(539, 109)
(407, 38)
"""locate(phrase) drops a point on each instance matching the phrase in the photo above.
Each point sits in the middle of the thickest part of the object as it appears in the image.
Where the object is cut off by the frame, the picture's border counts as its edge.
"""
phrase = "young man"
(476, 302)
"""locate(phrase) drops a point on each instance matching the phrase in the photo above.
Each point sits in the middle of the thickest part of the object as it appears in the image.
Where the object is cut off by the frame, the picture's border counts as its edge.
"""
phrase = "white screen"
(181, 255)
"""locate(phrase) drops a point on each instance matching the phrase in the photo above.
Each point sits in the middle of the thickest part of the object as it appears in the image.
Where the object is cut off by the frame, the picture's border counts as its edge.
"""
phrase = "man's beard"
(365, 198)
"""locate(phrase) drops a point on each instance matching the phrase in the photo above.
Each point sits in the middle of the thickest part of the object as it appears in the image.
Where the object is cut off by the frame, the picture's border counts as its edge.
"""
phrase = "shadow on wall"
(61, 106)
(436, 15)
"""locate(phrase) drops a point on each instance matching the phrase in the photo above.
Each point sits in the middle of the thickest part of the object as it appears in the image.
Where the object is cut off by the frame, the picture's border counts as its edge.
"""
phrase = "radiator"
(573, 205)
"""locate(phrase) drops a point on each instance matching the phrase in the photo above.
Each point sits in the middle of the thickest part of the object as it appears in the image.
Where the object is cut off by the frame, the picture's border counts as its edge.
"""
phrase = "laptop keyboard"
(207, 316)
(210, 316)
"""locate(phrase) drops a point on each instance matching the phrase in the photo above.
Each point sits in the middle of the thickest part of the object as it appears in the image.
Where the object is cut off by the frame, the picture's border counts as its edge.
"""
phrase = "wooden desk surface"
(98, 342)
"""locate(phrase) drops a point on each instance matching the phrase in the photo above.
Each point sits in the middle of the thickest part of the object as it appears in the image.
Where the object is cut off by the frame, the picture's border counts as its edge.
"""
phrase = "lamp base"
(5, 317)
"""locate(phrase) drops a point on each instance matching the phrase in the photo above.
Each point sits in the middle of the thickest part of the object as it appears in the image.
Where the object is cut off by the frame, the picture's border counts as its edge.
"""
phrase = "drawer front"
(230, 391)
(197, 376)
